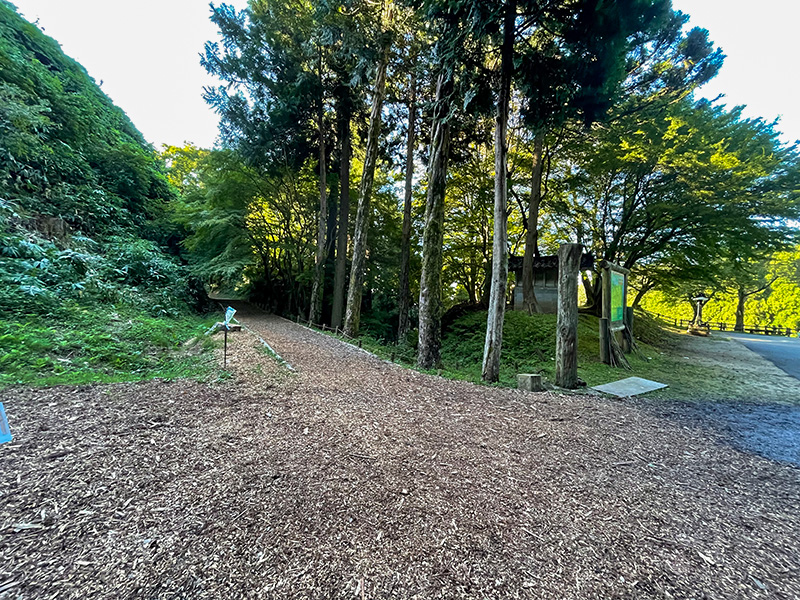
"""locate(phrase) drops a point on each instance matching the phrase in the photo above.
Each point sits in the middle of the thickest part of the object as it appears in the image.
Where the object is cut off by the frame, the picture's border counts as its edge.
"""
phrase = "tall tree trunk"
(430, 284)
(486, 288)
(472, 292)
(640, 294)
(695, 312)
(532, 233)
(587, 288)
(404, 295)
(343, 117)
(741, 299)
(315, 312)
(497, 293)
(352, 318)
(594, 294)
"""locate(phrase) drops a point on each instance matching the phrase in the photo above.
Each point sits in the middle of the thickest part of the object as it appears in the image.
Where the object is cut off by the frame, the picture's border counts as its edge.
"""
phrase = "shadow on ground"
(768, 430)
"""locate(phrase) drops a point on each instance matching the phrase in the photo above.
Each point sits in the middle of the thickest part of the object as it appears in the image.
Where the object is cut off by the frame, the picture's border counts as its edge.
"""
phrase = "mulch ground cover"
(354, 478)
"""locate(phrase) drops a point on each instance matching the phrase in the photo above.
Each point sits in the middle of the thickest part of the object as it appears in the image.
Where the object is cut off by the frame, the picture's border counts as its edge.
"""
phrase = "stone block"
(530, 382)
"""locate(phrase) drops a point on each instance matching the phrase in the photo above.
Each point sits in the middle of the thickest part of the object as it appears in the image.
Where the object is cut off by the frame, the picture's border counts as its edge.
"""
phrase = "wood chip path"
(357, 479)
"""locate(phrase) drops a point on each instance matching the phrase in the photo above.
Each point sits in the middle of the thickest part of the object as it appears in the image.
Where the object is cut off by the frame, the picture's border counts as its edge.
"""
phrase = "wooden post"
(569, 261)
(225, 352)
(605, 342)
(626, 341)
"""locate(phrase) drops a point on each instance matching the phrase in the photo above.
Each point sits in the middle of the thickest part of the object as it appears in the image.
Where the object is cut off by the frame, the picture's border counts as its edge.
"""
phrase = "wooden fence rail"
(673, 321)
(721, 326)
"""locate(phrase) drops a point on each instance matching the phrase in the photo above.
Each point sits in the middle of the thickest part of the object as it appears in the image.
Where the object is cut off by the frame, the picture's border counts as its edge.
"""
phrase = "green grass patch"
(529, 347)
(105, 345)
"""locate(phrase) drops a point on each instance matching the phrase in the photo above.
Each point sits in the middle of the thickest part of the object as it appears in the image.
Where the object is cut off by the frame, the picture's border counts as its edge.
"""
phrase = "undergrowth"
(529, 347)
(78, 310)
(83, 345)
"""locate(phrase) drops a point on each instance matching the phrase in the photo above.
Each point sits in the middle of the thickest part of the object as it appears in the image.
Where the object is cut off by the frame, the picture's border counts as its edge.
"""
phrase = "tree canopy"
(380, 162)
(599, 140)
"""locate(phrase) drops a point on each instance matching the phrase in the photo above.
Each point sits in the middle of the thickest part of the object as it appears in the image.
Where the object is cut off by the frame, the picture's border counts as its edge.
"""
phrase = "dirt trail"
(354, 478)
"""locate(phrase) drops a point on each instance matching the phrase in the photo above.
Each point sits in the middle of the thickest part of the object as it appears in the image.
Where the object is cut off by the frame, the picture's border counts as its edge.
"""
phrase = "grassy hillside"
(88, 288)
(103, 345)
(529, 347)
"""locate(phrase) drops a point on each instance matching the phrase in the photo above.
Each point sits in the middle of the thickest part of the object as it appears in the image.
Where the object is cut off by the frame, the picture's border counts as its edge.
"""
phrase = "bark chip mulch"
(354, 478)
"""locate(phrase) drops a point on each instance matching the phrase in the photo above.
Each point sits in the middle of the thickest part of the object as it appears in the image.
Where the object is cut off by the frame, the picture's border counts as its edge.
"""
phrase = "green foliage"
(41, 275)
(84, 295)
(77, 311)
(529, 347)
(101, 344)
(771, 289)
(677, 195)
(281, 61)
(250, 229)
(677, 190)
(183, 166)
(65, 150)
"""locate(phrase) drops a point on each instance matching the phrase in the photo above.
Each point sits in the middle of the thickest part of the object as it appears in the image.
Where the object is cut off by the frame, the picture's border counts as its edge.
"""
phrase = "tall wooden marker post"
(569, 262)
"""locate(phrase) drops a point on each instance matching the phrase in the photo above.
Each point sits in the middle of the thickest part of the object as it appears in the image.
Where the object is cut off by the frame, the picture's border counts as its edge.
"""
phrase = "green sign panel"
(617, 297)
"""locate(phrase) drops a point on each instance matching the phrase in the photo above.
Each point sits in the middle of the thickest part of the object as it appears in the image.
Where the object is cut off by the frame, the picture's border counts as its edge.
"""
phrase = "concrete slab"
(632, 386)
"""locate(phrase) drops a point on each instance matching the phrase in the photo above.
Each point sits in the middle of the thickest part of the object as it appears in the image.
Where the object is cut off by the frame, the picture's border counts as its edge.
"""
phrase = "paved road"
(782, 351)
(768, 429)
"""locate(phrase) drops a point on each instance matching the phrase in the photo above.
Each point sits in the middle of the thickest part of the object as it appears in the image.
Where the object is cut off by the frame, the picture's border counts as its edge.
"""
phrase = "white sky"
(759, 39)
(146, 54)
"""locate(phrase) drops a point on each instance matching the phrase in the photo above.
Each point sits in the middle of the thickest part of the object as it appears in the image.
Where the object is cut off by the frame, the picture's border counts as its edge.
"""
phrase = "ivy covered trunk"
(315, 312)
(343, 117)
(497, 292)
(430, 284)
(352, 318)
(532, 230)
(404, 295)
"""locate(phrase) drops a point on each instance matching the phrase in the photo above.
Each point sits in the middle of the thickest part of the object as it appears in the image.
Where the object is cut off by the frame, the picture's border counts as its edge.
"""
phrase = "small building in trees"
(545, 280)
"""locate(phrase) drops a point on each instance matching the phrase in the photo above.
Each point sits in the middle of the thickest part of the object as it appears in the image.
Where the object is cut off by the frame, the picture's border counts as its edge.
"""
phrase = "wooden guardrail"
(722, 326)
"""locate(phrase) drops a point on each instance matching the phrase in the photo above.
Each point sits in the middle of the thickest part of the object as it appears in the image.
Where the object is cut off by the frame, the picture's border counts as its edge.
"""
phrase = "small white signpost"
(229, 312)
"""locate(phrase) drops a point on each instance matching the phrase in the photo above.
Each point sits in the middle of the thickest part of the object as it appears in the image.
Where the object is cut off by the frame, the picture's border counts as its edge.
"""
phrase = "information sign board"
(617, 299)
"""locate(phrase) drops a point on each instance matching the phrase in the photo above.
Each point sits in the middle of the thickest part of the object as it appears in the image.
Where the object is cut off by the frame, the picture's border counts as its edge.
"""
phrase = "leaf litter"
(355, 478)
